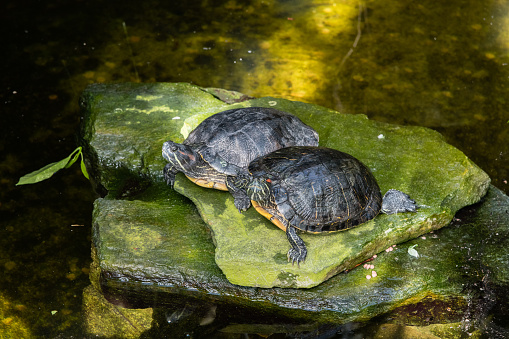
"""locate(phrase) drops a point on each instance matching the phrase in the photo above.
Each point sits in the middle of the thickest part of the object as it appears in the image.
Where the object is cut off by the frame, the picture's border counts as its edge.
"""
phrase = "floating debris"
(209, 317)
(180, 314)
(413, 252)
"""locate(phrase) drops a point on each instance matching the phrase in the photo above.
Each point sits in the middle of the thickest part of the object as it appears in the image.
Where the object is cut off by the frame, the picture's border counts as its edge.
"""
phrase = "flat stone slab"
(444, 284)
(126, 124)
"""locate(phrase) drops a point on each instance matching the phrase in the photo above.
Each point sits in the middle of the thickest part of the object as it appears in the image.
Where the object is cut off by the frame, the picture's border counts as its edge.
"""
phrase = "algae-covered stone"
(152, 246)
(111, 321)
(441, 278)
(127, 124)
(152, 240)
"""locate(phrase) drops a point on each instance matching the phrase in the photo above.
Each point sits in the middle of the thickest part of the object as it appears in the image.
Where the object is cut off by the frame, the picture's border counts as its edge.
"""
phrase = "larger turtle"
(317, 189)
(223, 145)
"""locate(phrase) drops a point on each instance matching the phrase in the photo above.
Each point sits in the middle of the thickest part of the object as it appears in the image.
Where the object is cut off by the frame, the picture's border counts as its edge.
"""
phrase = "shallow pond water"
(441, 65)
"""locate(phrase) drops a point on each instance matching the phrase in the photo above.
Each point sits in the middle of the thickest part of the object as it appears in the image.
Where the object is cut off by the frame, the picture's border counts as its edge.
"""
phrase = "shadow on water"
(440, 65)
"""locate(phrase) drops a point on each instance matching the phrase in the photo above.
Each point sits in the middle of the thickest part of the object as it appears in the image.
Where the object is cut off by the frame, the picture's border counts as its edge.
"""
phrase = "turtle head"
(259, 189)
(180, 156)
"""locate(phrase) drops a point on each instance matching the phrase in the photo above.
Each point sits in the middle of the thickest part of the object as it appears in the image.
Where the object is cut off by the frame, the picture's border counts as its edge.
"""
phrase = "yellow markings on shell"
(267, 215)
(367, 199)
(346, 200)
(208, 184)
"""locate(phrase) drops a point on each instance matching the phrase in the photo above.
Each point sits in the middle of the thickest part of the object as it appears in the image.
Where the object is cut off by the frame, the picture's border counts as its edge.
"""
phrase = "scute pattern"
(230, 140)
(318, 189)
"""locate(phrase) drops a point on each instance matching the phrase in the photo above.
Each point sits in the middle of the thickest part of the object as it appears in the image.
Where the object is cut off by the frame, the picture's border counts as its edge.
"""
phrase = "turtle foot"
(297, 255)
(298, 251)
(395, 201)
(242, 203)
(169, 176)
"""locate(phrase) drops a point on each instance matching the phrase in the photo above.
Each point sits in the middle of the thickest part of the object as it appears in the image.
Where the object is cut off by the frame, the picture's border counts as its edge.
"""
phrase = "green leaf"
(48, 170)
(77, 153)
(83, 168)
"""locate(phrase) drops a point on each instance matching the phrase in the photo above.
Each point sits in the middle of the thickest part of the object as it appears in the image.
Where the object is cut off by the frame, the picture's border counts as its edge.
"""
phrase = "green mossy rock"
(442, 284)
(126, 124)
(105, 320)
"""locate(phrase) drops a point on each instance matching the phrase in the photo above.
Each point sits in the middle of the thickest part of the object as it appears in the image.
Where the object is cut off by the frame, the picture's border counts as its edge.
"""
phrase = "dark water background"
(439, 64)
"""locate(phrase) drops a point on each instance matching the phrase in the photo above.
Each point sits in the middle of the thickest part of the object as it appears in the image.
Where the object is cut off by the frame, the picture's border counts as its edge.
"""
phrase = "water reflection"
(437, 65)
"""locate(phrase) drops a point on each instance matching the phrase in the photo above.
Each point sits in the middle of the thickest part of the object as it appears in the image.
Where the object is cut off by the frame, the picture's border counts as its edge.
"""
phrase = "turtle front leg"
(298, 252)
(237, 187)
(169, 173)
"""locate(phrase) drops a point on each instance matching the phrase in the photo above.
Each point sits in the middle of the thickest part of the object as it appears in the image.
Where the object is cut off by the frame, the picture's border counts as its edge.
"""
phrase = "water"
(441, 65)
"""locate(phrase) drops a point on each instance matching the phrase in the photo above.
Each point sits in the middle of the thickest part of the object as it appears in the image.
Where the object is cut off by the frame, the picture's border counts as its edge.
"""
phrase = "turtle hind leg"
(395, 201)
(169, 174)
(298, 252)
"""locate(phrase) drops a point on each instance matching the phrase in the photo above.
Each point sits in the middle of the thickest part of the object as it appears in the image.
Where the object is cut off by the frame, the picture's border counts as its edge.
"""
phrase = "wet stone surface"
(149, 238)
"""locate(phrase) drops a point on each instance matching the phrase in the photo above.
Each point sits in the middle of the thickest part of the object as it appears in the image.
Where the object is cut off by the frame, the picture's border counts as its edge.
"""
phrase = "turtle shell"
(230, 140)
(316, 189)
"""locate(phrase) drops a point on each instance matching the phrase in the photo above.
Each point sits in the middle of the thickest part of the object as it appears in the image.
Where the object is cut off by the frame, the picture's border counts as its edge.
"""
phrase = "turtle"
(221, 147)
(317, 189)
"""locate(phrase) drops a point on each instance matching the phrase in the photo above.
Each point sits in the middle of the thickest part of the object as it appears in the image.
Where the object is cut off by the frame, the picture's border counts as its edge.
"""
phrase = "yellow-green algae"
(435, 331)
(12, 324)
(111, 321)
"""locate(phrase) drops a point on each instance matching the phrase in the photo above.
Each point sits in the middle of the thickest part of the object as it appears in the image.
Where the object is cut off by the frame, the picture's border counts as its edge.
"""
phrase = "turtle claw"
(298, 251)
(169, 176)
(170, 182)
(296, 256)
(242, 203)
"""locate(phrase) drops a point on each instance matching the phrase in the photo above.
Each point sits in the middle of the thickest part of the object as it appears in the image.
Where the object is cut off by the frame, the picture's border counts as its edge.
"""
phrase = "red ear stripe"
(268, 180)
(188, 155)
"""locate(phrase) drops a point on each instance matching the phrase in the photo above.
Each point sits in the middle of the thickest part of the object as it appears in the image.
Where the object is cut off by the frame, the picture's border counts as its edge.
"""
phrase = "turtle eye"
(173, 148)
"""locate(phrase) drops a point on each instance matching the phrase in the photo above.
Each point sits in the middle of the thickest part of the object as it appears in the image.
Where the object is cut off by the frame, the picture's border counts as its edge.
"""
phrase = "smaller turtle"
(223, 145)
(317, 189)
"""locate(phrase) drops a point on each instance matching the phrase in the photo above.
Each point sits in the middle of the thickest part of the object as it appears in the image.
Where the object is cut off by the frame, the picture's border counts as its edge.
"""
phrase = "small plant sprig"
(50, 169)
